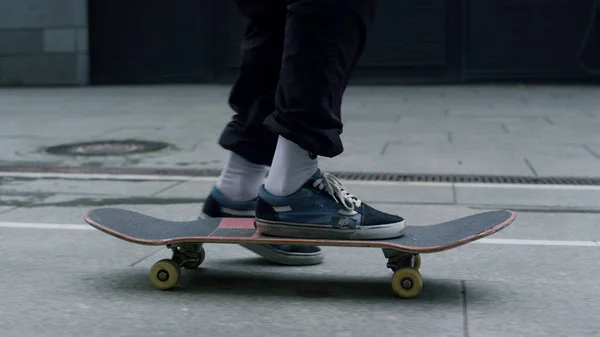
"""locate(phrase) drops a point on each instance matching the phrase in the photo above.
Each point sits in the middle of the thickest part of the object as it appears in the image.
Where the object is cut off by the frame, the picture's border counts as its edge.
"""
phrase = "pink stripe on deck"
(233, 223)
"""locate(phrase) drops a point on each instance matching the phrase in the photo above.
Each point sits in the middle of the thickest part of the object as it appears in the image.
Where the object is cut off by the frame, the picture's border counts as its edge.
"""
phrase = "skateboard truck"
(398, 260)
(406, 281)
(188, 256)
(165, 273)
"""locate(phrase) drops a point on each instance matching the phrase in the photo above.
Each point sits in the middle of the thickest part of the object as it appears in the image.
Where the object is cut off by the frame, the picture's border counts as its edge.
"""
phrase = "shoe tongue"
(314, 177)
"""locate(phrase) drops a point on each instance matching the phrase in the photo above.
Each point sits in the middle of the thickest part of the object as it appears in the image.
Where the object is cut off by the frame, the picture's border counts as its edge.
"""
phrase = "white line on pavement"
(43, 225)
(103, 176)
(539, 242)
(490, 241)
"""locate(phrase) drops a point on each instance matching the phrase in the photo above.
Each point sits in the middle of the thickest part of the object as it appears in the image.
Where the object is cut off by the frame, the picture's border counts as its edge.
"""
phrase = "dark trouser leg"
(323, 42)
(253, 94)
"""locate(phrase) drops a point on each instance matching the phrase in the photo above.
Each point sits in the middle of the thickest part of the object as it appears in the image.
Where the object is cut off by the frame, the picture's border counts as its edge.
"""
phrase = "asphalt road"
(537, 278)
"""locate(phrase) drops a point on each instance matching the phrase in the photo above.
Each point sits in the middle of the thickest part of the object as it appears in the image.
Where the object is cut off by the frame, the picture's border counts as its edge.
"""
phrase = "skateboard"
(186, 239)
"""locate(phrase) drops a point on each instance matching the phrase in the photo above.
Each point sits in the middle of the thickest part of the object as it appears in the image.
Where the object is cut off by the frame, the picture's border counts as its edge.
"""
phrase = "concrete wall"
(43, 42)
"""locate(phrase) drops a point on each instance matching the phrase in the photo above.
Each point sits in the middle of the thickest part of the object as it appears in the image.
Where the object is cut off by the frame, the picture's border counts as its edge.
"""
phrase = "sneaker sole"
(309, 231)
(285, 258)
(279, 256)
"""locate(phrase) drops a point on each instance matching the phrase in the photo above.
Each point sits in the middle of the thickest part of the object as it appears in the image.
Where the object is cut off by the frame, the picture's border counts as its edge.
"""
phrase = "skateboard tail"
(124, 237)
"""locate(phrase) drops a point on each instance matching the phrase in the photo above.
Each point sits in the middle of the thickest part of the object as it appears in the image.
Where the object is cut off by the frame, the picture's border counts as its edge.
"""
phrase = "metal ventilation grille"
(450, 178)
(353, 176)
(455, 178)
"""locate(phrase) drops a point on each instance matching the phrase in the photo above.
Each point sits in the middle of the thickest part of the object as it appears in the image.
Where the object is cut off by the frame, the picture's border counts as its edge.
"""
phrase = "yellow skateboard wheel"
(407, 282)
(165, 274)
(417, 262)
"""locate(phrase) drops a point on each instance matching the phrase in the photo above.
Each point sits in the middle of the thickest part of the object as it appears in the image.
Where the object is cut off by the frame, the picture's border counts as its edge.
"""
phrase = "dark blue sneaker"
(323, 209)
(218, 205)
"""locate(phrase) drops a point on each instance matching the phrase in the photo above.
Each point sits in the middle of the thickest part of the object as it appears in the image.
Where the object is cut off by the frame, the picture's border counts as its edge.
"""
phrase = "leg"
(253, 93)
(250, 143)
(323, 42)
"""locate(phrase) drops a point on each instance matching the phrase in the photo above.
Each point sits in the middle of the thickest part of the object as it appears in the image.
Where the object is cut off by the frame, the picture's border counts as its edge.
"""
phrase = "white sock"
(291, 168)
(241, 179)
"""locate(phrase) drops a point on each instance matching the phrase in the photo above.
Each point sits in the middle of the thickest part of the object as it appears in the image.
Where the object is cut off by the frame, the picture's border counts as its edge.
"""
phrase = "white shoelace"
(334, 187)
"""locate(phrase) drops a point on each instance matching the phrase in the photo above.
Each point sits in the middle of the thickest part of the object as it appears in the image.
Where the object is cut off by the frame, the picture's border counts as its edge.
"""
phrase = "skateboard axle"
(406, 283)
(163, 275)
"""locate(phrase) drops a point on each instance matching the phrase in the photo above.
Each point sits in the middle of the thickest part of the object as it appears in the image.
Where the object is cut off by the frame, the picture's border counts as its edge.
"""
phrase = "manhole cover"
(107, 148)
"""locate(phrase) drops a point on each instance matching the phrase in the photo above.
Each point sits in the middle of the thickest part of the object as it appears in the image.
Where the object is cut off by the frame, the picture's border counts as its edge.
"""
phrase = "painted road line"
(44, 226)
(526, 242)
(101, 176)
(489, 241)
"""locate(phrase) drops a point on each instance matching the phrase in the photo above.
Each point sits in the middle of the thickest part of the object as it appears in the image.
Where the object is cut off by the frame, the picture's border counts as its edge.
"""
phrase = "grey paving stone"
(450, 159)
(451, 124)
(187, 138)
(523, 111)
(90, 187)
(498, 118)
(418, 139)
(522, 196)
(504, 148)
(593, 149)
(411, 162)
(525, 141)
(574, 167)
(572, 129)
(355, 114)
(513, 307)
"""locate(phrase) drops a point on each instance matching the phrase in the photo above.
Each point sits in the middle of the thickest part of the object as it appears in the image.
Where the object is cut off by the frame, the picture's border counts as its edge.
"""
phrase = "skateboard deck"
(185, 239)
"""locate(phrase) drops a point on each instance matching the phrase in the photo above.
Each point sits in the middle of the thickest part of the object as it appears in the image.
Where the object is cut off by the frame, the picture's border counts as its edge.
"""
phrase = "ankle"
(292, 167)
(240, 179)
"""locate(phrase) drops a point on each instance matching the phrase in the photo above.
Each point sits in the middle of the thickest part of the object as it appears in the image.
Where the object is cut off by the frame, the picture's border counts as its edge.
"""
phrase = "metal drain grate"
(352, 176)
(455, 178)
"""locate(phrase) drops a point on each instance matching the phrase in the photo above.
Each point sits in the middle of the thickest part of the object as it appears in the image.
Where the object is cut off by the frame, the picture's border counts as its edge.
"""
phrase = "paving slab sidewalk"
(479, 130)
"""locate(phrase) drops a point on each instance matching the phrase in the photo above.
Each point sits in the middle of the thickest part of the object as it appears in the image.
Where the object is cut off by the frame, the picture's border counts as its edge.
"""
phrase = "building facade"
(83, 42)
